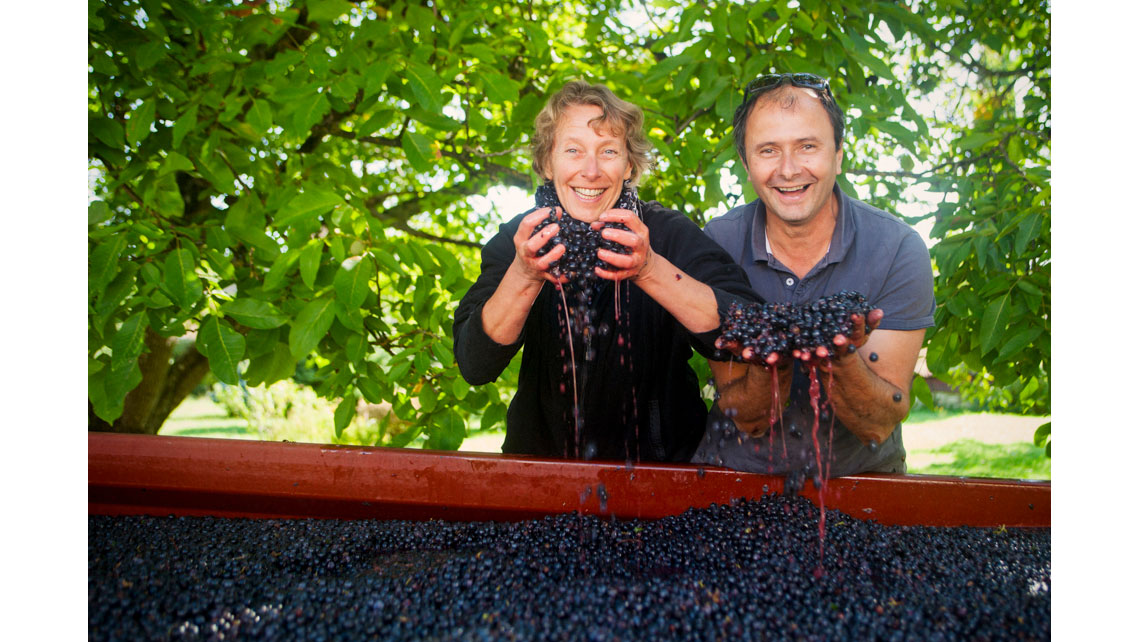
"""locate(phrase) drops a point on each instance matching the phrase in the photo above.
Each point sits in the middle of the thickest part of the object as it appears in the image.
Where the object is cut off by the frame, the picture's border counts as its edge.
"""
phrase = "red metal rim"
(143, 474)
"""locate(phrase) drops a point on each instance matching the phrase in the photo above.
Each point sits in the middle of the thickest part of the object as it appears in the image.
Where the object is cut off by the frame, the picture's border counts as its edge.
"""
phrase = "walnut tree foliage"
(292, 182)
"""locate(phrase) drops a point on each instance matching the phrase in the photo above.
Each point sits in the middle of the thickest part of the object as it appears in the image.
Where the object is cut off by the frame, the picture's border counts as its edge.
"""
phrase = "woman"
(604, 369)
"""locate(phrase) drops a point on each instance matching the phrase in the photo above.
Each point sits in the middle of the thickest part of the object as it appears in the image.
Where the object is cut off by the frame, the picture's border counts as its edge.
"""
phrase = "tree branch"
(510, 176)
(397, 216)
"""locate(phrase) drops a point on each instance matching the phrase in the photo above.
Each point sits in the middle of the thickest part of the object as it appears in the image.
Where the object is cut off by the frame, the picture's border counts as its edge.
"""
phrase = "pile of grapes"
(582, 242)
(740, 572)
(784, 328)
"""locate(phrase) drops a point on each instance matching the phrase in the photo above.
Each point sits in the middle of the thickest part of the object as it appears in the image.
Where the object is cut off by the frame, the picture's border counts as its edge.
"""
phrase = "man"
(801, 240)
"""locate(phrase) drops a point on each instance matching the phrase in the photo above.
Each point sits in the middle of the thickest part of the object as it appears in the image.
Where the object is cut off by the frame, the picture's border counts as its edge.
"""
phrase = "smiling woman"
(605, 369)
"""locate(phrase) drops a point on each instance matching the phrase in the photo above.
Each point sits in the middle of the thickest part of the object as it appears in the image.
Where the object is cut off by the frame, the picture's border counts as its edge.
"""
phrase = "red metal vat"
(142, 474)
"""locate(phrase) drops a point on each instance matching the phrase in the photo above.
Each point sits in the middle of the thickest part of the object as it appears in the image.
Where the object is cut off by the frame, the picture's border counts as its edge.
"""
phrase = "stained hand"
(527, 245)
(635, 265)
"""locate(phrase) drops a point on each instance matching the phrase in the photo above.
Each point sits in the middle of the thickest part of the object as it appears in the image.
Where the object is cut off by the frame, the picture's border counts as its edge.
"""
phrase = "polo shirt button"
(790, 282)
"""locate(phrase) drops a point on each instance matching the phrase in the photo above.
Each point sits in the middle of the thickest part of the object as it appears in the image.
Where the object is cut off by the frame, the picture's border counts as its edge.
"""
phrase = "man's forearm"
(868, 405)
(744, 394)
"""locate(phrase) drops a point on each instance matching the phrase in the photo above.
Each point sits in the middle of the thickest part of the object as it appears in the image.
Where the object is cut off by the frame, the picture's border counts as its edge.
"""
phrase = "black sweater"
(639, 398)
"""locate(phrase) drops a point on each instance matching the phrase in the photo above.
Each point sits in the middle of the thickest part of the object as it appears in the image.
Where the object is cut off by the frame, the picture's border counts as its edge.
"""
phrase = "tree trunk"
(165, 383)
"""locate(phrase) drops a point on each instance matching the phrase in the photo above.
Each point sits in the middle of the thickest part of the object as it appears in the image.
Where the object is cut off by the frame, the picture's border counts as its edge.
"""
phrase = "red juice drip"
(622, 328)
(813, 391)
(573, 367)
(775, 415)
(831, 425)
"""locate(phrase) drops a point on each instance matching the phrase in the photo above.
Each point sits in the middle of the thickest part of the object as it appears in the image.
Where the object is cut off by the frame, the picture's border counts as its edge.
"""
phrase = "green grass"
(201, 417)
(972, 458)
(920, 413)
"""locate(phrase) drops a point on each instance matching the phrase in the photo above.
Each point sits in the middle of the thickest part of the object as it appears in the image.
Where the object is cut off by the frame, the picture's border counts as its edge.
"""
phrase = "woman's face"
(586, 165)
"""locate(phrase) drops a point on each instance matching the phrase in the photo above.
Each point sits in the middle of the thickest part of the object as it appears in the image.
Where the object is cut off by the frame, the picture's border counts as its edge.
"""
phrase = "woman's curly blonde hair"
(623, 118)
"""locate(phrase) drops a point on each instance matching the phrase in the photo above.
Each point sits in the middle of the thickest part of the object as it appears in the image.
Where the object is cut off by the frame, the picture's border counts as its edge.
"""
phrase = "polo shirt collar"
(842, 238)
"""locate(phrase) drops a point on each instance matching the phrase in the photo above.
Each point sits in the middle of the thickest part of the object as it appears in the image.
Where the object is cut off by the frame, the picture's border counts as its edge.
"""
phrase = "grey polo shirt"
(871, 252)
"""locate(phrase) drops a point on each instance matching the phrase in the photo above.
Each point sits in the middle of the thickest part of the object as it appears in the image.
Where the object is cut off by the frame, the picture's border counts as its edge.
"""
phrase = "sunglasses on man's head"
(807, 81)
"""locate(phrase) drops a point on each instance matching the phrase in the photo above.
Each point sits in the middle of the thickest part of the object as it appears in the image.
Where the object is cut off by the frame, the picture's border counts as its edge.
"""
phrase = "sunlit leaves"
(307, 206)
(255, 313)
(425, 85)
(352, 281)
(310, 326)
(103, 261)
(138, 125)
(418, 150)
(223, 346)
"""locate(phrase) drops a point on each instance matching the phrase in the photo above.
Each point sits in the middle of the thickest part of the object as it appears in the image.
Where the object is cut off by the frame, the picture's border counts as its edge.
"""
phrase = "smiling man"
(801, 240)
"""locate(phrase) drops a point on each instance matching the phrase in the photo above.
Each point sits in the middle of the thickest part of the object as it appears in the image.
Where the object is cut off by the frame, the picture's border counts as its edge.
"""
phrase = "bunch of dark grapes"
(784, 328)
(582, 242)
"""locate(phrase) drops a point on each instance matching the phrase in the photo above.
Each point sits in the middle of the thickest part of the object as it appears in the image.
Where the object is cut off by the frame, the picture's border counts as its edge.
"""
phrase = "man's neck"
(801, 246)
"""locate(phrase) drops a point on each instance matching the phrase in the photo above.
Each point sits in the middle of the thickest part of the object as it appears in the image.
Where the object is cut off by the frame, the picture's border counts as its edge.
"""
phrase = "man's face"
(791, 154)
(586, 165)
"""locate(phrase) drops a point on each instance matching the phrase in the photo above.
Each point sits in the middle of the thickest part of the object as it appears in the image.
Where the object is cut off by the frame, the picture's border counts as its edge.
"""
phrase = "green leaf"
(224, 347)
(376, 75)
(343, 414)
(1042, 435)
(921, 390)
(108, 401)
(308, 205)
(184, 125)
(281, 268)
(493, 415)
(106, 130)
(460, 388)
(104, 262)
(1014, 149)
(182, 284)
(1026, 232)
(353, 319)
(418, 149)
(175, 162)
(499, 88)
(213, 168)
(425, 85)
(399, 371)
(260, 116)
(310, 326)
(310, 110)
(128, 343)
(370, 389)
(355, 346)
(273, 366)
(448, 432)
(1029, 288)
(311, 261)
(1019, 341)
(994, 323)
(352, 279)
(327, 11)
(976, 139)
(255, 313)
(149, 54)
(138, 125)
(428, 398)
(406, 437)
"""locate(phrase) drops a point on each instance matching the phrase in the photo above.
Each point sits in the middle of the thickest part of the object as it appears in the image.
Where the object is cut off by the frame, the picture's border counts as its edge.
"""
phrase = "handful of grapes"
(785, 329)
(581, 240)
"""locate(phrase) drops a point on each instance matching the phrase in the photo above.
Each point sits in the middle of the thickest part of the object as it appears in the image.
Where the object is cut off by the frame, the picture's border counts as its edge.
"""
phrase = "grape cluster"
(784, 327)
(746, 571)
(582, 242)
